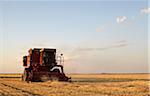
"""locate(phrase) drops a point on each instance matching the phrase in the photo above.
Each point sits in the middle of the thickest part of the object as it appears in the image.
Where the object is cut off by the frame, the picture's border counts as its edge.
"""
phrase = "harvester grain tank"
(41, 65)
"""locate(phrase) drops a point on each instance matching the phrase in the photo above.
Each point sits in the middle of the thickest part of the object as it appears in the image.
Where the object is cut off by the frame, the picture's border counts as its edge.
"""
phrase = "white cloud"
(121, 19)
(118, 44)
(145, 10)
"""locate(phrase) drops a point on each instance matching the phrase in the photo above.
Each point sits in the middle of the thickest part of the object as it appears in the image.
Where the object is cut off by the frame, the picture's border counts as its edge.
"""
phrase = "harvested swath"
(10, 75)
(23, 91)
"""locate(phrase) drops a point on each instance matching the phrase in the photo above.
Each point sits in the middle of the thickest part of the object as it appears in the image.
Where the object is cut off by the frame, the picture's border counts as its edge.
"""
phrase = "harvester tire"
(56, 70)
(24, 76)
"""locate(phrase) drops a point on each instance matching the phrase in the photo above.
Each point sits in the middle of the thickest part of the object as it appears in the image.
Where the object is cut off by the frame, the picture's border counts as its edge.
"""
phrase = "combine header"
(40, 65)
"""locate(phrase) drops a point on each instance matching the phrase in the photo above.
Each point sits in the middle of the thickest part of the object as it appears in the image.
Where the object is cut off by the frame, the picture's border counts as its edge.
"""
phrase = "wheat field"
(81, 85)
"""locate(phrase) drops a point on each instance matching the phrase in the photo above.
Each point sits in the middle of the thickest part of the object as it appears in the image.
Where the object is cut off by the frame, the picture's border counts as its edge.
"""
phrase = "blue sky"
(95, 36)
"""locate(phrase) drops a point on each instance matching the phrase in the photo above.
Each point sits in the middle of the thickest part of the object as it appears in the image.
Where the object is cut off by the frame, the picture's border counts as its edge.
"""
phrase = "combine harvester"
(40, 65)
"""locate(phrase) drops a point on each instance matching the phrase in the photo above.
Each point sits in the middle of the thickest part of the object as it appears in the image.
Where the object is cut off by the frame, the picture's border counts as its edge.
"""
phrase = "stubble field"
(81, 85)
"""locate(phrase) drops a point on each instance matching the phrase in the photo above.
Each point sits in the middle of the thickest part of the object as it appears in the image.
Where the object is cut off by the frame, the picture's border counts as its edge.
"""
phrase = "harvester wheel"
(24, 76)
(56, 70)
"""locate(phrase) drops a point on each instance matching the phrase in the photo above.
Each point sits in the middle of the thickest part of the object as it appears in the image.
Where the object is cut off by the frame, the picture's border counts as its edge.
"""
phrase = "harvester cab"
(41, 65)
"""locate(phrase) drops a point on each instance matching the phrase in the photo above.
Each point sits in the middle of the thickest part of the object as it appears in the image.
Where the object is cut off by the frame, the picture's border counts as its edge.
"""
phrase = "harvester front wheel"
(24, 76)
(56, 70)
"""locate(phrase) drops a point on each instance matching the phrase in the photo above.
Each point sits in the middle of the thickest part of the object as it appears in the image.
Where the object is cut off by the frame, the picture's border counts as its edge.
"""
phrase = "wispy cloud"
(118, 44)
(145, 10)
(121, 41)
(76, 53)
(121, 19)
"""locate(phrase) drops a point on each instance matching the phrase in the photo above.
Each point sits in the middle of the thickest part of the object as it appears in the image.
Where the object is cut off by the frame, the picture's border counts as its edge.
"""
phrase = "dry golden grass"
(81, 85)
(13, 75)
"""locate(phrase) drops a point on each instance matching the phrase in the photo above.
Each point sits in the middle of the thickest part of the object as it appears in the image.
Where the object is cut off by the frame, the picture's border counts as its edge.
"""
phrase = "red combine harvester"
(40, 65)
